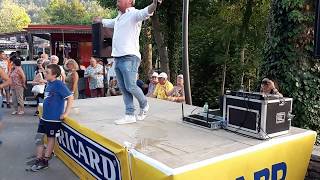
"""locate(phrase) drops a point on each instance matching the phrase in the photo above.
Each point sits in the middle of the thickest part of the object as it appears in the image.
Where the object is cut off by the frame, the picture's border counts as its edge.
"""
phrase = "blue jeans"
(126, 68)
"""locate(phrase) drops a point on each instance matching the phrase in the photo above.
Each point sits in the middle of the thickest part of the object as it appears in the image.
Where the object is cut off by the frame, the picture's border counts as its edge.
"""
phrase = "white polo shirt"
(127, 28)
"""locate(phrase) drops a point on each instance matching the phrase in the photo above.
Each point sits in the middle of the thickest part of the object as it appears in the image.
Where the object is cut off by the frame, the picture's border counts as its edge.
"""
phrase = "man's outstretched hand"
(154, 5)
(157, 2)
(97, 20)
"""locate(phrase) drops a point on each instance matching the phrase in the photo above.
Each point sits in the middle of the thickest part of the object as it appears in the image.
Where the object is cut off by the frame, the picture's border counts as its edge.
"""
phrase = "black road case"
(260, 118)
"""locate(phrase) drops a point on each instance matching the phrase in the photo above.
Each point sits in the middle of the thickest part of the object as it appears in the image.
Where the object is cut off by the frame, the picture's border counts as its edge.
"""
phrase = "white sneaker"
(143, 113)
(126, 120)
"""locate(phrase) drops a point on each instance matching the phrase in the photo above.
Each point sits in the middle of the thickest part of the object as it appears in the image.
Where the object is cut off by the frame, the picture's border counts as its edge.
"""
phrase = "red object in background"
(85, 52)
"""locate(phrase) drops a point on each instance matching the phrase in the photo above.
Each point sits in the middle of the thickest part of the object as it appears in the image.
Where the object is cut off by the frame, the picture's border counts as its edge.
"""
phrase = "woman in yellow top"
(163, 88)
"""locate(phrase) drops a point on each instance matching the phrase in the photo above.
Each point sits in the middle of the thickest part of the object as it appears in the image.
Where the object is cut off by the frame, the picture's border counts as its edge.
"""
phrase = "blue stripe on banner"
(99, 161)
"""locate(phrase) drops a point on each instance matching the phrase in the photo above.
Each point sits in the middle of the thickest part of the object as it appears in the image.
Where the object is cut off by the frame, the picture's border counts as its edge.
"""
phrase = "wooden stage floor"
(162, 135)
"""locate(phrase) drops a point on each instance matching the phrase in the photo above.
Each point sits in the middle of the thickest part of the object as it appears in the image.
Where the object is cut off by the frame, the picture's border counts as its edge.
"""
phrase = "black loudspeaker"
(317, 31)
(101, 41)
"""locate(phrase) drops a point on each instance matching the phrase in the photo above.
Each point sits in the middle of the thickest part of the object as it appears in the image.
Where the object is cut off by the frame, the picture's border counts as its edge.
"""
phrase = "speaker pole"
(185, 32)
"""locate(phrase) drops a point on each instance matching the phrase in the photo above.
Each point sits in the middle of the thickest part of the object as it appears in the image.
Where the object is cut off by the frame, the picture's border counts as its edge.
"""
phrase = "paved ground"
(17, 137)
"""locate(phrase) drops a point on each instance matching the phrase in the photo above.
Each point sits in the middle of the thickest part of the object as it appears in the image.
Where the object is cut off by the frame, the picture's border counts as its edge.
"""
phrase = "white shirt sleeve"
(109, 23)
(143, 14)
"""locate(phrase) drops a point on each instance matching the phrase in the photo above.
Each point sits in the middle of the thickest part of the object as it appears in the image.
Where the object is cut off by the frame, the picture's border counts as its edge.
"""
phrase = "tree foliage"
(216, 39)
(12, 17)
(74, 12)
(288, 58)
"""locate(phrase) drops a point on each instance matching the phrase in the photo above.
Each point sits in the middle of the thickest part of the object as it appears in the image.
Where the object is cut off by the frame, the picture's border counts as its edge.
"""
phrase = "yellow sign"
(92, 156)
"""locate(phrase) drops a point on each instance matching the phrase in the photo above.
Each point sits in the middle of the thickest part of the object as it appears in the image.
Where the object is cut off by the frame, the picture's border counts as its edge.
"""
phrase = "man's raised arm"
(148, 11)
(152, 7)
(109, 23)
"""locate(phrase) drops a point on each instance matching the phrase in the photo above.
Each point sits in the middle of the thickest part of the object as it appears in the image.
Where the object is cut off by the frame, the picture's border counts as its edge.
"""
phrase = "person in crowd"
(163, 87)
(44, 57)
(4, 83)
(13, 54)
(110, 69)
(55, 60)
(113, 88)
(177, 93)
(142, 85)
(18, 79)
(19, 56)
(38, 56)
(153, 83)
(80, 64)
(72, 77)
(268, 87)
(94, 73)
(39, 81)
(4, 66)
(54, 112)
(125, 49)
(9, 63)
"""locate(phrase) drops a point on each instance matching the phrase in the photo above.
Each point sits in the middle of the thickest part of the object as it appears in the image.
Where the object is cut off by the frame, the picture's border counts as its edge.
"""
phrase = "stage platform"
(163, 147)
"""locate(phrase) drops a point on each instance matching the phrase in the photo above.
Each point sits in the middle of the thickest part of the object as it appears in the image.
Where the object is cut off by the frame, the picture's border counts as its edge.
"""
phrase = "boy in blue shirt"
(55, 95)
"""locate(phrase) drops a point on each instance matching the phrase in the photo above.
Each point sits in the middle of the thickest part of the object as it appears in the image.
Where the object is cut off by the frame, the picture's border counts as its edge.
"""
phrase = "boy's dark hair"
(13, 54)
(1, 51)
(16, 61)
(55, 69)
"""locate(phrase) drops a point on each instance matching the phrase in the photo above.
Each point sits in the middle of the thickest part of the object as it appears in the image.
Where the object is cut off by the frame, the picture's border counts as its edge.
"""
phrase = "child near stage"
(53, 114)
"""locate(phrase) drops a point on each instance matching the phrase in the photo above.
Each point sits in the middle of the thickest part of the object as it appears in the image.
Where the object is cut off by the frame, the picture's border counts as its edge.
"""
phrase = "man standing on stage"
(125, 50)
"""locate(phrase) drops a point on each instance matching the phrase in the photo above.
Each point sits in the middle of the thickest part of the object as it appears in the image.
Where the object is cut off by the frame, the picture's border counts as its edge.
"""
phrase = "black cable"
(246, 114)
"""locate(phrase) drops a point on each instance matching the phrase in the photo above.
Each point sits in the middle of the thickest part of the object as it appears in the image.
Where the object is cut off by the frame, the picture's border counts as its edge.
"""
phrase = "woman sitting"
(268, 88)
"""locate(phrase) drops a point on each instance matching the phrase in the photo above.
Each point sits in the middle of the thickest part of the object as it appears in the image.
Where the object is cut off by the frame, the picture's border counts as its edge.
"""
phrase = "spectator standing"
(40, 82)
(4, 83)
(72, 77)
(110, 69)
(53, 114)
(19, 56)
(94, 73)
(44, 57)
(18, 79)
(4, 66)
(55, 60)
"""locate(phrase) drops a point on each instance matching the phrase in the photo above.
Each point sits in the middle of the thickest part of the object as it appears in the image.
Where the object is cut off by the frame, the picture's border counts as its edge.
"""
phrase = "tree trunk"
(242, 67)
(225, 69)
(163, 51)
(243, 33)
(174, 38)
(146, 64)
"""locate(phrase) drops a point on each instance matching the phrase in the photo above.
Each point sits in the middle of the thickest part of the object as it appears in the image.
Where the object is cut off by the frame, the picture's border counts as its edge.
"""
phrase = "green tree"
(288, 58)
(12, 17)
(74, 12)
(215, 47)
